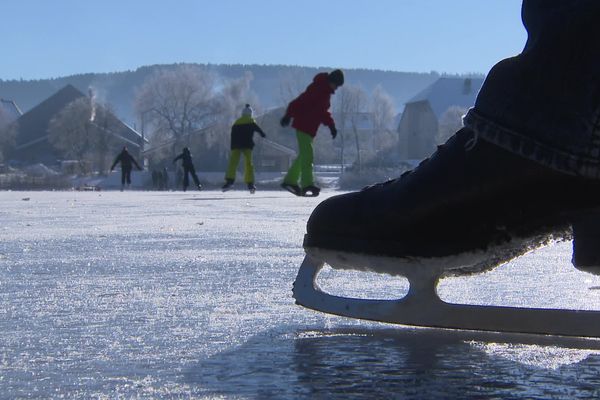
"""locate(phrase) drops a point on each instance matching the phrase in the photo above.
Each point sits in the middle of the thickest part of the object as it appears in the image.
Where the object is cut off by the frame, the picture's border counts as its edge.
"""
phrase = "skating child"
(242, 142)
(188, 168)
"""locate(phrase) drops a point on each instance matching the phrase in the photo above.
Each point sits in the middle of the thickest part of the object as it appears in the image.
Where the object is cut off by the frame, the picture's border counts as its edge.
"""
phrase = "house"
(360, 123)
(9, 111)
(32, 145)
(275, 153)
(420, 122)
(270, 156)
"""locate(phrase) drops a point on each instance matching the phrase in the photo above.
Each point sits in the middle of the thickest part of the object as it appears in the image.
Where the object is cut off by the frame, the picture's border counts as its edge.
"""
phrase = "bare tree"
(382, 114)
(70, 130)
(230, 101)
(350, 101)
(189, 106)
(178, 102)
(342, 110)
(84, 131)
(450, 122)
(291, 85)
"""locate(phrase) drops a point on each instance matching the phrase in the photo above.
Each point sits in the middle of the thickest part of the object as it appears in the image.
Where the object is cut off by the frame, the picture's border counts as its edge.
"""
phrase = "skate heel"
(586, 243)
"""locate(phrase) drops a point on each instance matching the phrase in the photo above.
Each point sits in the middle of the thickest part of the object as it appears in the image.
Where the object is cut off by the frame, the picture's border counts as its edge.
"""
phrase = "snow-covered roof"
(33, 124)
(447, 92)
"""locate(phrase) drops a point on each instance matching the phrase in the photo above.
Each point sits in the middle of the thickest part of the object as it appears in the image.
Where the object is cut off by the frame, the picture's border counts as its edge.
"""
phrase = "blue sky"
(45, 39)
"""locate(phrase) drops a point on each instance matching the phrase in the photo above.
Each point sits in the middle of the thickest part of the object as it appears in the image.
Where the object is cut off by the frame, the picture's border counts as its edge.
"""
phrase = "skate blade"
(423, 307)
(293, 190)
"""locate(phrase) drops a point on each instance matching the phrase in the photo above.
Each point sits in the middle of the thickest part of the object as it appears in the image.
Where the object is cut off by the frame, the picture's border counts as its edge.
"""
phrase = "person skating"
(242, 142)
(188, 169)
(523, 170)
(306, 113)
(127, 162)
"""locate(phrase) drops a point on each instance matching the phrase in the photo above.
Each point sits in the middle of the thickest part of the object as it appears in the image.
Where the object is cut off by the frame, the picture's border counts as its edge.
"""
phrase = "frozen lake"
(188, 295)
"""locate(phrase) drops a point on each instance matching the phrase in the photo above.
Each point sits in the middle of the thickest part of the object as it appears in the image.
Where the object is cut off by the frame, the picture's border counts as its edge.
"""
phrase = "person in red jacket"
(306, 113)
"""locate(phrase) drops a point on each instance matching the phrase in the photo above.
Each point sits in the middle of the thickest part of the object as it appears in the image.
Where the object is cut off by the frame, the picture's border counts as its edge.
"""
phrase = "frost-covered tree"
(83, 131)
(291, 84)
(349, 101)
(382, 116)
(178, 102)
(450, 122)
(70, 130)
(190, 106)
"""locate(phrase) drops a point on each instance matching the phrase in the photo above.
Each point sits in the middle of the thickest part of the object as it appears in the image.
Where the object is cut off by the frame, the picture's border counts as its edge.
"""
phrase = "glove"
(285, 121)
(333, 131)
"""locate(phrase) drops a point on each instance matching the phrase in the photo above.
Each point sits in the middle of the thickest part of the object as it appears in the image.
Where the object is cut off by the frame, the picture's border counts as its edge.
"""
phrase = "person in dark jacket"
(127, 161)
(308, 111)
(242, 142)
(188, 168)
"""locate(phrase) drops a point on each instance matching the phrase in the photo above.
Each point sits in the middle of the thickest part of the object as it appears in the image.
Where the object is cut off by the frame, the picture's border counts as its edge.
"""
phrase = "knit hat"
(336, 77)
(247, 111)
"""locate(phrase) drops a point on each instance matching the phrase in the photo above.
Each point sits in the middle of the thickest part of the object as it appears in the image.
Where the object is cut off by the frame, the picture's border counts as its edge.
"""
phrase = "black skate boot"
(472, 204)
(251, 188)
(586, 244)
(228, 185)
(293, 189)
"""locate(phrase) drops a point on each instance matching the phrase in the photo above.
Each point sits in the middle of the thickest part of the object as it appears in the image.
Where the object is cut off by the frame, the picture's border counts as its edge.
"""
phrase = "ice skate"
(293, 189)
(227, 186)
(311, 191)
(469, 208)
(251, 188)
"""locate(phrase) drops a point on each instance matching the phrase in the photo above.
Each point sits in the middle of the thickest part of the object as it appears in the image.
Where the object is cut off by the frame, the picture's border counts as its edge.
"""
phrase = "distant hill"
(119, 88)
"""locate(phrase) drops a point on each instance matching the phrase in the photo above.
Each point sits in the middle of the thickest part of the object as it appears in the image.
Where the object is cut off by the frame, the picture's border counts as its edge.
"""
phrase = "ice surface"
(158, 294)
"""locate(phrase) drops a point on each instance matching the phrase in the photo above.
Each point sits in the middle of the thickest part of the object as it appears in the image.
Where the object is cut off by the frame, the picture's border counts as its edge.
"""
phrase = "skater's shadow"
(401, 363)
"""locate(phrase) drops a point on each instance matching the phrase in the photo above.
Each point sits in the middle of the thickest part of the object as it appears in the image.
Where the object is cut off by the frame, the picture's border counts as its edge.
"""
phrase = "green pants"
(234, 160)
(302, 167)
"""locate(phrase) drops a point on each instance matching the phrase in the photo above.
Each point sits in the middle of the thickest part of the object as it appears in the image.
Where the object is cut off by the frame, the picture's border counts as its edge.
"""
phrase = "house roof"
(33, 125)
(10, 109)
(447, 92)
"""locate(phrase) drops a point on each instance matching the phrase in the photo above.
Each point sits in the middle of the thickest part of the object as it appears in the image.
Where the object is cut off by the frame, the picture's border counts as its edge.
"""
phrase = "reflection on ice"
(409, 363)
